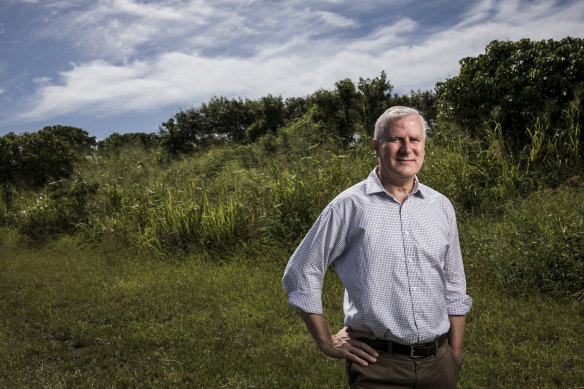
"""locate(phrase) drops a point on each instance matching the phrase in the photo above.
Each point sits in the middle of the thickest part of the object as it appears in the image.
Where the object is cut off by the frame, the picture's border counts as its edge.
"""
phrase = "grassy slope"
(74, 316)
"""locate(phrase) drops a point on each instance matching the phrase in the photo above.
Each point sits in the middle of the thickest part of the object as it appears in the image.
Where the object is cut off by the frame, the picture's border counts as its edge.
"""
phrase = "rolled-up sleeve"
(457, 301)
(304, 274)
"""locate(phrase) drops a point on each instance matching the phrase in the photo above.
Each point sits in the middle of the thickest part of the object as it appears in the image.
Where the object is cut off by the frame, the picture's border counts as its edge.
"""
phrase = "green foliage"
(120, 142)
(341, 113)
(514, 84)
(44, 157)
(258, 173)
(426, 103)
(227, 197)
(375, 93)
(10, 161)
(541, 243)
(62, 208)
(182, 133)
(269, 117)
(476, 177)
(77, 138)
(35, 159)
(350, 110)
(221, 119)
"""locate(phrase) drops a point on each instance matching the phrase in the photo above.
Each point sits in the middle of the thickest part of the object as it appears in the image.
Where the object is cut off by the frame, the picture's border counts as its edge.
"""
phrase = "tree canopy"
(35, 159)
(515, 84)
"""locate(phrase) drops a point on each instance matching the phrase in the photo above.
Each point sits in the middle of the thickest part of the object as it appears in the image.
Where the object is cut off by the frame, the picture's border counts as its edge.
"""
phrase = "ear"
(375, 147)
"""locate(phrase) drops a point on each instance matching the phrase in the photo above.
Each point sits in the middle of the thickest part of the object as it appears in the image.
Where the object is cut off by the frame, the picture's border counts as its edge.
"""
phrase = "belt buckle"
(412, 356)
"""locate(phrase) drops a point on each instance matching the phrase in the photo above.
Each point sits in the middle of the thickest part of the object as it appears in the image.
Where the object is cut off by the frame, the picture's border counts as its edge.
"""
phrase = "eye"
(393, 139)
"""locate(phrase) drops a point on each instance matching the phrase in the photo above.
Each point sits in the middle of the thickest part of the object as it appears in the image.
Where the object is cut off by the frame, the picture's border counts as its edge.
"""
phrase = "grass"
(146, 271)
(81, 316)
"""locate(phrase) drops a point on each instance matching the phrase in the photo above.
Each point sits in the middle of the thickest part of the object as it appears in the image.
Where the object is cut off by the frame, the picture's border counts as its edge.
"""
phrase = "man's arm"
(456, 333)
(343, 344)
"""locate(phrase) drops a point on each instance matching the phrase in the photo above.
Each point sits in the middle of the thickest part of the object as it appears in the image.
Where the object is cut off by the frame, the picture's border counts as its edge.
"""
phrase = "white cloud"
(229, 51)
(149, 11)
(42, 81)
(336, 20)
(117, 29)
(386, 37)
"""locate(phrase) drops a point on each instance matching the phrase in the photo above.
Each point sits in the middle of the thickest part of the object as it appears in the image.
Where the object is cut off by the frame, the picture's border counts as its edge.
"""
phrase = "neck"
(398, 187)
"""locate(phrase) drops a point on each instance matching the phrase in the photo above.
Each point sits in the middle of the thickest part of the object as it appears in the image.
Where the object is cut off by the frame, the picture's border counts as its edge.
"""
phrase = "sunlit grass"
(85, 317)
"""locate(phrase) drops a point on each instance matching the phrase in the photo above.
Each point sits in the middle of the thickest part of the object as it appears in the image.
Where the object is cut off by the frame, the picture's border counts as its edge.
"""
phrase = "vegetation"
(515, 84)
(155, 259)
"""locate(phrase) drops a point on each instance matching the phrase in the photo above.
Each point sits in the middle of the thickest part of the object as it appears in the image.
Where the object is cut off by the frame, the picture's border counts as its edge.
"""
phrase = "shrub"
(539, 243)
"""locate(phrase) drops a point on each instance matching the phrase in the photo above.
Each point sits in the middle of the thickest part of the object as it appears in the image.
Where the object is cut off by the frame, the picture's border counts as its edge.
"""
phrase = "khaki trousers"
(400, 371)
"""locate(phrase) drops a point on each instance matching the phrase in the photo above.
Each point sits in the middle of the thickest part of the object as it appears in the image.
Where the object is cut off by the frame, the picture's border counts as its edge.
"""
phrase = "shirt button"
(407, 233)
(410, 260)
(414, 288)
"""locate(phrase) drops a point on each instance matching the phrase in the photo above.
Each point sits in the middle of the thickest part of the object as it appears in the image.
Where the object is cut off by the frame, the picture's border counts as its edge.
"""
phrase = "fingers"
(347, 345)
(354, 350)
(357, 360)
(364, 350)
(352, 353)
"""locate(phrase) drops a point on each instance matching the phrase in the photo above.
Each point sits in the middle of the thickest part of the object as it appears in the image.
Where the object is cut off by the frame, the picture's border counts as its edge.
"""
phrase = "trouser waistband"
(413, 351)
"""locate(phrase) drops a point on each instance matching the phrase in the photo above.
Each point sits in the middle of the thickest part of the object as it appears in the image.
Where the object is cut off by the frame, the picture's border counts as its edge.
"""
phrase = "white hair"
(392, 115)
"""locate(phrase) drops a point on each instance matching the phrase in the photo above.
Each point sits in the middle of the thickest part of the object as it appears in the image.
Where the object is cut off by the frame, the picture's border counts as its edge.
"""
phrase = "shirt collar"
(373, 185)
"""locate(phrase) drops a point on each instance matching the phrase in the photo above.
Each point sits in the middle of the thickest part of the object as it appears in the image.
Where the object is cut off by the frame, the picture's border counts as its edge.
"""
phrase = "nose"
(406, 146)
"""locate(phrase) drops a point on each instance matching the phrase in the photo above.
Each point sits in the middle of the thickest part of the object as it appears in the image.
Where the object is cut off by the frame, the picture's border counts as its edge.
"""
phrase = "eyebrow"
(404, 137)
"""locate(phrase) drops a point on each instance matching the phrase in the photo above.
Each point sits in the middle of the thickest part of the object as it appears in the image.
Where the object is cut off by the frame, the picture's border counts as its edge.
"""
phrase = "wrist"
(460, 361)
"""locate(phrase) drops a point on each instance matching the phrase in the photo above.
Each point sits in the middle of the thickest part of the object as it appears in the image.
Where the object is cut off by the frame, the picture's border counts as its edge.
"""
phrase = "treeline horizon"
(344, 112)
(513, 88)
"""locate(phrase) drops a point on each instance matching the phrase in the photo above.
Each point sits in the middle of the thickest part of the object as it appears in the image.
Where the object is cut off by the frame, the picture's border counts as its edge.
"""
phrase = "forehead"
(410, 126)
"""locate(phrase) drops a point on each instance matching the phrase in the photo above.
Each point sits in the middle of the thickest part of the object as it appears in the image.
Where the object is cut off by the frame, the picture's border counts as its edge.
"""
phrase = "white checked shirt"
(400, 264)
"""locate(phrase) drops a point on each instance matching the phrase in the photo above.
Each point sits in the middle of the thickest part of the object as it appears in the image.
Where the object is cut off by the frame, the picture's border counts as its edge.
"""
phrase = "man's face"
(401, 150)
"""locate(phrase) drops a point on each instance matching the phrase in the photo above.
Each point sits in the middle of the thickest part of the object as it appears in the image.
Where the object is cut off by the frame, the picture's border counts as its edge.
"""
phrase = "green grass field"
(78, 316)
(146, 270)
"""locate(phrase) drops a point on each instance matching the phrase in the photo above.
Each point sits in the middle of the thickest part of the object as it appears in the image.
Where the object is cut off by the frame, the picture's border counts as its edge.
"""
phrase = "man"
(394, 242)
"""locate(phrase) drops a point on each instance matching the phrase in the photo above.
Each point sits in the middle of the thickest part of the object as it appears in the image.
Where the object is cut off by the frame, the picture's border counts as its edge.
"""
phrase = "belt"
(414, 351)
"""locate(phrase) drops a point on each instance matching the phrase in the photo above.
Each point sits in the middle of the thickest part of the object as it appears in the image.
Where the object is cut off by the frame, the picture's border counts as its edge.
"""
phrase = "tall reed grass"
(232, 197)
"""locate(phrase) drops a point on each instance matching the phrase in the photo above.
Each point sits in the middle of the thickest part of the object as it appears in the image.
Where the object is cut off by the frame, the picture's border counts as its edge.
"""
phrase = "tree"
(375, 99)
(33, 159)
(514, 84)
(44, 156)
(426, 103)
(10, 161)
(182, 133)
(117, 141)
(348, 113)
(324, 111)
(224, 118)
(296, 107)
(269, 117)
(79, 139)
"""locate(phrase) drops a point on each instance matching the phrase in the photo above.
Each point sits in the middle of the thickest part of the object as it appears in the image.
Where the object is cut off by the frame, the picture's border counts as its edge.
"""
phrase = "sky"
(128, 65)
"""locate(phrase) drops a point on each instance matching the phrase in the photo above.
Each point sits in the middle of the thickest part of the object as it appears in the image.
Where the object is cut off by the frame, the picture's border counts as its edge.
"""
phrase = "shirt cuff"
(459, 305)
(309, 302)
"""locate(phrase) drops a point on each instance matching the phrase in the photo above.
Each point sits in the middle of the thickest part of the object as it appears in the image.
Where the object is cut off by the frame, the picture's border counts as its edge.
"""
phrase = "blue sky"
(127, 65)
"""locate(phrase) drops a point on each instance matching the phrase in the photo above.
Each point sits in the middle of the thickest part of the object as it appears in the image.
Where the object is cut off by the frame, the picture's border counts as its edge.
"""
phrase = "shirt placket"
(413, 273)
